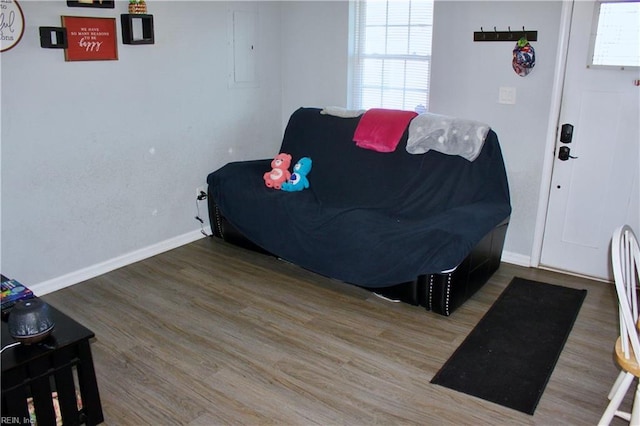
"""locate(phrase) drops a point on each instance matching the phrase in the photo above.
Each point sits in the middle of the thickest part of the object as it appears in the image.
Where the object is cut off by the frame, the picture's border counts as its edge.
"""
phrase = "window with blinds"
(615, 40)
(391, 54)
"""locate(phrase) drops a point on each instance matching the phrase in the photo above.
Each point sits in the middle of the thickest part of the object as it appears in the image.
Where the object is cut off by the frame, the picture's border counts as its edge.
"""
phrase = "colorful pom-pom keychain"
(524, 57)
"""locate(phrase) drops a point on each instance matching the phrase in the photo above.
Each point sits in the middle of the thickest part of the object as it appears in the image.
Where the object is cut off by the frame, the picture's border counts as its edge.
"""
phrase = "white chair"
(625, 256)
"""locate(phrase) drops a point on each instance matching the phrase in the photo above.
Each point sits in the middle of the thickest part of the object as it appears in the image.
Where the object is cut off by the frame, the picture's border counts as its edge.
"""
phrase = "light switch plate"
(507, 95)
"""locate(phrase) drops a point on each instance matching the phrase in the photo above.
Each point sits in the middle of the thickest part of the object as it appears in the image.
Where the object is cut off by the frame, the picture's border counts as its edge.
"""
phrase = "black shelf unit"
(53, 37)
(127, 20)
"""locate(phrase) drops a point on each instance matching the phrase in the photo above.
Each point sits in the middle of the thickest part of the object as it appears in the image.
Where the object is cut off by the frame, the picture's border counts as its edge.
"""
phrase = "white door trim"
(554, 116)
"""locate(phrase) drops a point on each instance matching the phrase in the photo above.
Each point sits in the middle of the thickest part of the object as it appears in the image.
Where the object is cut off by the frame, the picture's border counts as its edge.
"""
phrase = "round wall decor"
(11, 24)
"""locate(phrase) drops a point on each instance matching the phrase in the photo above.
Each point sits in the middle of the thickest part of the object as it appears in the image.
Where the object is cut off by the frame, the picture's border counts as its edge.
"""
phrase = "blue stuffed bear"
(298, 180)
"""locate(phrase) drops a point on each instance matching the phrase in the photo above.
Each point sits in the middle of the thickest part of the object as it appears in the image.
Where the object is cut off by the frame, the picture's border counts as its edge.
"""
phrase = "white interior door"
(596, 189)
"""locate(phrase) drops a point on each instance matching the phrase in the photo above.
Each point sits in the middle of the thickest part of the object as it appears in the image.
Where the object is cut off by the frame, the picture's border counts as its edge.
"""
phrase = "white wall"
(101, 159)
(314, 54)
(466, 78)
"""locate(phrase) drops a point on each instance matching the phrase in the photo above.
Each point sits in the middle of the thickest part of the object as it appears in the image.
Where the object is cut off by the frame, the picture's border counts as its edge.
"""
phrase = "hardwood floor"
(211, 334)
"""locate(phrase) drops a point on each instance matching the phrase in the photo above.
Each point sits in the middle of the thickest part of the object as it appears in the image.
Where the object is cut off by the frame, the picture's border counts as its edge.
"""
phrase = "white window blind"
(616, 39)
(391, 58)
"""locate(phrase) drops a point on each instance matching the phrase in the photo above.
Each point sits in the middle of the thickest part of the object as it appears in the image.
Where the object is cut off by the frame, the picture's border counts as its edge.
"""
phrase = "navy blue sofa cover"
(369, 218)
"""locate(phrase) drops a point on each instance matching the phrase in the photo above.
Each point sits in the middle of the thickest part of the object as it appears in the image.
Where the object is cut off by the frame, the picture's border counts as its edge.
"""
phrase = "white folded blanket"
(342, 112)
(449, 135)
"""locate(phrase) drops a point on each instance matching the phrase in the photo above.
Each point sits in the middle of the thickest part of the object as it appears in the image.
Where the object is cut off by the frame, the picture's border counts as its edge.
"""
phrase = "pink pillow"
(381, 129)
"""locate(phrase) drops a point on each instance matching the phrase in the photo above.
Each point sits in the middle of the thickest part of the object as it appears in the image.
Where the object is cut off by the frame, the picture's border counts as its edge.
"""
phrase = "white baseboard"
(93, 271)
(115, 263)
(516, 259)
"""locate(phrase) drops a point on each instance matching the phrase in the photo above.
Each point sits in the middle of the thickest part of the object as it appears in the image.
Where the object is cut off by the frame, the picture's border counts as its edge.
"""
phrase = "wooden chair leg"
(616, 400)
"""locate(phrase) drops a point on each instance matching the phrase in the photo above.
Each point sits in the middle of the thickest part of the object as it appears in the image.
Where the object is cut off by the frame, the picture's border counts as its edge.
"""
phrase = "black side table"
(36, 371)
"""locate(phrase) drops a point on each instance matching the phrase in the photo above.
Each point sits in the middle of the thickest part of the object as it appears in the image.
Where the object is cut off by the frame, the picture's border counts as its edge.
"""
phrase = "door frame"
(552, 126)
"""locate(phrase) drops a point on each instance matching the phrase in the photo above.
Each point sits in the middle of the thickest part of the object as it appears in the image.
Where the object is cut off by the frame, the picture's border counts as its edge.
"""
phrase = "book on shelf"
(12, 291)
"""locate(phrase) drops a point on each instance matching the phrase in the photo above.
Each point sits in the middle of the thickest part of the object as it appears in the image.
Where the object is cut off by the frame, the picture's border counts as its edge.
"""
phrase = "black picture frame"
(105, 4)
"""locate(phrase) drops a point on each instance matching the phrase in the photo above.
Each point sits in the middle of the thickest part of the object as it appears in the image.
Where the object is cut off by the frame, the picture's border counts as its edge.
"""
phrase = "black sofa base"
(441, 293)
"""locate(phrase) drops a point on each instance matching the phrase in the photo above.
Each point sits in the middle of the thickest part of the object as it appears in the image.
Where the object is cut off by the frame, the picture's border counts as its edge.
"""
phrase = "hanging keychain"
(524, 57)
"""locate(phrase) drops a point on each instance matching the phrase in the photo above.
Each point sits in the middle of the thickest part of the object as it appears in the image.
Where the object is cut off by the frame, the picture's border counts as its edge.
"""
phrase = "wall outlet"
(200, 189)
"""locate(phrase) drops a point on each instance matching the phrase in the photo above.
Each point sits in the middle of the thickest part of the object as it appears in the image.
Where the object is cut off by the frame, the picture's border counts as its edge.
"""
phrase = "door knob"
(564, 153)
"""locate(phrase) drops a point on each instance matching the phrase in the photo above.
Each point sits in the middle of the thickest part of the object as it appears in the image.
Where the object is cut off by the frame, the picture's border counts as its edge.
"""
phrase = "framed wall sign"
(90, 39)
(11, 24)
(109, 4)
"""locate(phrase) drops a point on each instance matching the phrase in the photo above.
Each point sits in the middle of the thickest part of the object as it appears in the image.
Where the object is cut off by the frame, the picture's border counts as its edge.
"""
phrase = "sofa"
(426, 228)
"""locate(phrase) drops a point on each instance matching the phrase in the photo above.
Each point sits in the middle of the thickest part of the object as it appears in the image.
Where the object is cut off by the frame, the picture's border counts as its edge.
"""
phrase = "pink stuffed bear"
(279, 172)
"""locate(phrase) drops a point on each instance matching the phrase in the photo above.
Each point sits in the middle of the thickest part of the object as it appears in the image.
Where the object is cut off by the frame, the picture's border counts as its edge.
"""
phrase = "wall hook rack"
(508, 35)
